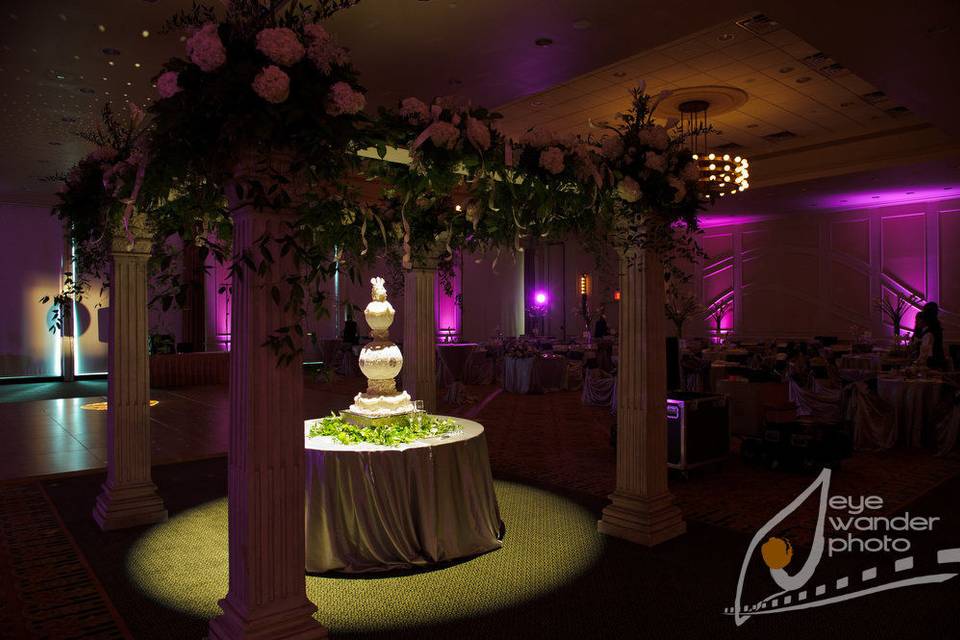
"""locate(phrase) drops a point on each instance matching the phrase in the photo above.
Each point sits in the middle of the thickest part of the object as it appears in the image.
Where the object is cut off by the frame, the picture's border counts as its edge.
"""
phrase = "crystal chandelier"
(720, 173)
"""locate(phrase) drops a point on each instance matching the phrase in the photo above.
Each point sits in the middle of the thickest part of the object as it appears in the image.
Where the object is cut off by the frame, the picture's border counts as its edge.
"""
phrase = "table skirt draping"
(189, 369)
(549, 374)
(915, 403)
(598, 388)
(480, 368)
(374, 508)
(516, 374)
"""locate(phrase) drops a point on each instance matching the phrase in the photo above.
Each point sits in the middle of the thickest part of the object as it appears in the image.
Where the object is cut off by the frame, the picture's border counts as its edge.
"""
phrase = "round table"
(376, 508)
(914, 402)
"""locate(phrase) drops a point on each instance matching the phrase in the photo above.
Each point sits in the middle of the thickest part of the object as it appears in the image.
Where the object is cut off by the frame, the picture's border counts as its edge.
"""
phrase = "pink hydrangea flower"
(167, 85)
(344, 100)
(655, 136)
(414, 110)
(444, 135)
(551, 159)
(272, 84)
(281, 45)
(478, 134)
(322, 51)
(628, 189)
(655, 161)
(611, 147)
(691, 171)
(536, 138)
(205, 49)
(680, 186)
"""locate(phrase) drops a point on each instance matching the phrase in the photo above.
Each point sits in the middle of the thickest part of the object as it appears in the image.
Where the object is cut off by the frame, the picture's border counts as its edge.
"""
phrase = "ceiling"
(795, 94)
(56, 71)
(927, 181)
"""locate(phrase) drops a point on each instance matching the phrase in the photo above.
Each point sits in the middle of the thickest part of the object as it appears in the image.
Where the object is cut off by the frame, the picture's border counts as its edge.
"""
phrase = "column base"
(646, 521)
(294, 622)
(131, 505)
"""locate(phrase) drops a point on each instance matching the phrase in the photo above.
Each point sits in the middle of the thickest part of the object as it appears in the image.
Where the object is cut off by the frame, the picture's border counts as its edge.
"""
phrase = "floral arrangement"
(521, 349)
(894, 310)
(451, 146)
(391, 432)
(262, 95)
(653, 197)
(717, 311)
(680, 306)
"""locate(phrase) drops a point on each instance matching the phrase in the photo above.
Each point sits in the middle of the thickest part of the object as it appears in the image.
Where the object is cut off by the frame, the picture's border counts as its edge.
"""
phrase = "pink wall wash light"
(447, 311)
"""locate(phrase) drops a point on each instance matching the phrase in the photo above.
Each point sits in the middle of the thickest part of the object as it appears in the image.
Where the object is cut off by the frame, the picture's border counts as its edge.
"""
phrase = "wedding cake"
(380, 362)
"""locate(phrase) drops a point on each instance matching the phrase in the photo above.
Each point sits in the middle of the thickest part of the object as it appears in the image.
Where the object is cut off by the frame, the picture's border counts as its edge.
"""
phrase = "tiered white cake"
(380, 362)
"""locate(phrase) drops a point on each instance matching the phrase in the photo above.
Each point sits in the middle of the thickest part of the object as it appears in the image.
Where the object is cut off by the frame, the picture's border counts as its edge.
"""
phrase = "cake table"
(376, 508)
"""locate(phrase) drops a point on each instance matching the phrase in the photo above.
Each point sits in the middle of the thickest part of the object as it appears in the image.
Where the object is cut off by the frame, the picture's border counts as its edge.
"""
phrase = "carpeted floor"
(678, 589)
(46, 588)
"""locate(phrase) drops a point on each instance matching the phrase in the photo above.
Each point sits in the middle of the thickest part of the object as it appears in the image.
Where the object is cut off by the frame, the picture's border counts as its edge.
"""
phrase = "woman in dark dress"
(929, 337)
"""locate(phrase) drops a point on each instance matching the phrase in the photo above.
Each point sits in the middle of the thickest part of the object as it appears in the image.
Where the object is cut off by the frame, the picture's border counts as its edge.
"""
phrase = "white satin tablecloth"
(375, 508)
(914, 403)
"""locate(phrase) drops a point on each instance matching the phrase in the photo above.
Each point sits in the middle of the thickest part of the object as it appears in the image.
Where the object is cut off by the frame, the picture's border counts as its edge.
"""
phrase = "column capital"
(134, 239)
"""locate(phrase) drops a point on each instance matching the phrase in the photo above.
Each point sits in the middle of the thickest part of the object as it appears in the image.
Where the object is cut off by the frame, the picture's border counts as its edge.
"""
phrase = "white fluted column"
(128, 497)
(266, 597)
(642, 509)
(420, 336)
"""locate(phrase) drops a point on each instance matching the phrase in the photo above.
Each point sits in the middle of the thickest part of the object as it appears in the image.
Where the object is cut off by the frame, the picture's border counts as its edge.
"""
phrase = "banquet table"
(541, 374)
(863, 361)
(453, 358)
(914, 403)
(376, 508)
(186, 369)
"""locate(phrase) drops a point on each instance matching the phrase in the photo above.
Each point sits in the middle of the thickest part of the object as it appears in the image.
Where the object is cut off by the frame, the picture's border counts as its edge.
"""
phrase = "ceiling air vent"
(818, 60)
(874, 97)
(758, 24)
(780, 136)
(897, 112)
(834, 70)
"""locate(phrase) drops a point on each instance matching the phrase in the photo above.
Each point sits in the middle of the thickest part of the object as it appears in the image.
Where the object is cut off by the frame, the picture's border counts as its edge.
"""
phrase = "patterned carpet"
(46, 589)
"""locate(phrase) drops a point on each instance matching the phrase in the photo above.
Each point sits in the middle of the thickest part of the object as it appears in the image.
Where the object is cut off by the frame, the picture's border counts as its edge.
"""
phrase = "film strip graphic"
(848, 588)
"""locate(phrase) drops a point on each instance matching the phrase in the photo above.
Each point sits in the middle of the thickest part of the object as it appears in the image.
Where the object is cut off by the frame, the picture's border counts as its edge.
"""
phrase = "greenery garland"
(266, 111)
(391, 432)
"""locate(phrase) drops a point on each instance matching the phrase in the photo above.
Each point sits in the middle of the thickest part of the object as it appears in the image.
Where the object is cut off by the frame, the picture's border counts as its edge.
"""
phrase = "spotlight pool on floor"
(550, 540)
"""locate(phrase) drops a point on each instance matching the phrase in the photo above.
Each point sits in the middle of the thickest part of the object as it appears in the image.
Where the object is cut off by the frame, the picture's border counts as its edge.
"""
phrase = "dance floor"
(132, 584)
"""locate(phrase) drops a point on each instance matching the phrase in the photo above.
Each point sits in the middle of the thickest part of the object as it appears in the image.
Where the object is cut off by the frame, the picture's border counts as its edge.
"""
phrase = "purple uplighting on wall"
(447, 313)
(540, 298)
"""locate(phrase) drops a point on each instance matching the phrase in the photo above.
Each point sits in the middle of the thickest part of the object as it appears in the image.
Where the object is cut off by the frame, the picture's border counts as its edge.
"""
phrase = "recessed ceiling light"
(145, 33)
(785, 69)
(543, 42)
(102, 28)
(875, 197)
(110, 51)
(136, 65)
(582, 24)
(909, 193)
(536, 103)
(725, 37)
(110, 62)
(948, 188)
(620, 74)
(803, 79)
